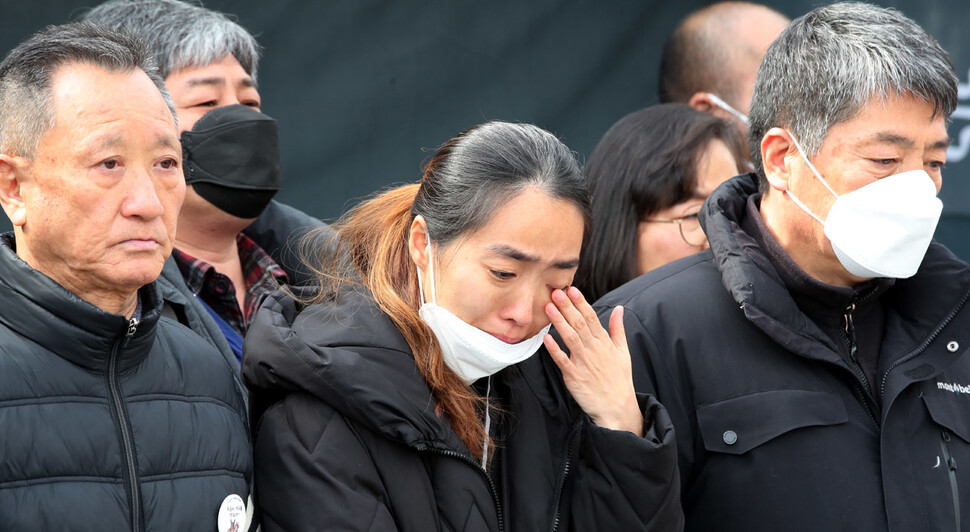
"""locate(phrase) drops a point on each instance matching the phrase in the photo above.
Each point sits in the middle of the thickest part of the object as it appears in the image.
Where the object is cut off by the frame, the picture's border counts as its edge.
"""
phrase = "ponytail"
(373, 248)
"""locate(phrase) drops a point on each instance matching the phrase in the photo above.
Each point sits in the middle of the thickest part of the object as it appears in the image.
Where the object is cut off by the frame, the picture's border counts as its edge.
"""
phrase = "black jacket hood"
(323, 349)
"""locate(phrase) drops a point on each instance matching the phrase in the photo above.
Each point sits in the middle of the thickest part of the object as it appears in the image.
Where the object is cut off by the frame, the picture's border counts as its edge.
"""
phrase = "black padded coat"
(347, 439)
(778, 431)
(109, 423)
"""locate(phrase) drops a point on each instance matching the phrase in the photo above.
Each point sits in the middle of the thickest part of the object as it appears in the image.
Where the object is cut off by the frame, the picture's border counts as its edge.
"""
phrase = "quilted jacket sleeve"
(626, 482)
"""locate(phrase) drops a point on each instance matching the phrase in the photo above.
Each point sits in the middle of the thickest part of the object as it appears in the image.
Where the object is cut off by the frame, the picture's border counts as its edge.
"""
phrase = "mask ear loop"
(488, 423)
(817, 174)
(434, 298)
(727, 107)
(810, 165)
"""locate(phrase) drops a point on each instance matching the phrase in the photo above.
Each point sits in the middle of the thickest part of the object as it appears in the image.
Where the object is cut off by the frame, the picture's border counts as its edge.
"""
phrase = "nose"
(521, 307)
(142, 199)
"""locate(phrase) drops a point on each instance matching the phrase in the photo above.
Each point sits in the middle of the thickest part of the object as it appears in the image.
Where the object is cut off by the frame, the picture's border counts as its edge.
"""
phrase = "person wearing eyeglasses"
(649, 176)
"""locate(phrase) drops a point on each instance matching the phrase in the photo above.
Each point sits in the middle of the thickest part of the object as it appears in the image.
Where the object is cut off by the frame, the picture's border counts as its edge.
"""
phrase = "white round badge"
(232, 514)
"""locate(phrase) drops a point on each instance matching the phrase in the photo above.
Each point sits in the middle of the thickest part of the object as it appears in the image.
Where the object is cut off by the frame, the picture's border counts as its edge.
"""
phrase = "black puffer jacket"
(347, 439)
(109, 424)
(775, 429)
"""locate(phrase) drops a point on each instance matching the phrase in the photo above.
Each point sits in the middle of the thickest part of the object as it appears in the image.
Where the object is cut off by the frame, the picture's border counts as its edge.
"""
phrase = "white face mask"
(884, 228)
(469, 351)
(725, 106)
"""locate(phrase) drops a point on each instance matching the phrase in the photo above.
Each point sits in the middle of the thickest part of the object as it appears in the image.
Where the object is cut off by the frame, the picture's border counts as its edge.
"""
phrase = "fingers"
(617, 330)
(558, 355)
(573, 320)
(566, 331)
(579, 314)
(592, 320)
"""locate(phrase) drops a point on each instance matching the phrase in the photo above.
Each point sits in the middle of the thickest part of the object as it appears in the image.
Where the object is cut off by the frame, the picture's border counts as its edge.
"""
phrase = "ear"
(418, 242)
(11, 169)
(701, 101)
(777, 150)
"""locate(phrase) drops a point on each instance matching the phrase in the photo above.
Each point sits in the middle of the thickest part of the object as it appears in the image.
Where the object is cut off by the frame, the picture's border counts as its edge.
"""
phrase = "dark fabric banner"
(364, 90)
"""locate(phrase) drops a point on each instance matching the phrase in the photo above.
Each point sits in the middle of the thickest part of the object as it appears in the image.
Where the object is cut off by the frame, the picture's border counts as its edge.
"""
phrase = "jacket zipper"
(565, 472)
(121, 416)
(485, 475)
(866, 397)
(922, 347)
(951, 467)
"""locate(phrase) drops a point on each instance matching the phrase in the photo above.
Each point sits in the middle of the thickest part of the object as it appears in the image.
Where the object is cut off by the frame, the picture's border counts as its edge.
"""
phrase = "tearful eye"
(168, 164)
(502, 276)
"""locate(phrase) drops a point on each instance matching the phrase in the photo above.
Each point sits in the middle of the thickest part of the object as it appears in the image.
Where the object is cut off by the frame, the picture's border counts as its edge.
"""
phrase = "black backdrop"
(363, 89)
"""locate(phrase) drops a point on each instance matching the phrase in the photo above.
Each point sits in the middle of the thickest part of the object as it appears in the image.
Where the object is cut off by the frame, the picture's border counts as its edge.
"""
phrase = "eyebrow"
(218, 80)
(166, 141)
(941, 144)
(515, 254)
(160, 141)
(906, 142)
(106, 143)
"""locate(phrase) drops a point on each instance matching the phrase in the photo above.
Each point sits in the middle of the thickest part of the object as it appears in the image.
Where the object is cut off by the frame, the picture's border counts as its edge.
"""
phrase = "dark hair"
(645, 163)
(831, 62)
(26, 106)
(466, 181)
(481, 169)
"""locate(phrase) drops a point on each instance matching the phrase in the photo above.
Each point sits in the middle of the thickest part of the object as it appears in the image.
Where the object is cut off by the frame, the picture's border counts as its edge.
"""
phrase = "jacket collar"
(349, 354)
(923, 302)
(43, 311)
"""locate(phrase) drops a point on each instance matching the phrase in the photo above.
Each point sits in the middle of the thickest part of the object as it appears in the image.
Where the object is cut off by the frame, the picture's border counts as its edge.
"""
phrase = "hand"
(598, 371)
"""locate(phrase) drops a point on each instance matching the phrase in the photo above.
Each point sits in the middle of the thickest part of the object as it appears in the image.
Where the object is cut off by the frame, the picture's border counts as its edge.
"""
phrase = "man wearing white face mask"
(814, 359)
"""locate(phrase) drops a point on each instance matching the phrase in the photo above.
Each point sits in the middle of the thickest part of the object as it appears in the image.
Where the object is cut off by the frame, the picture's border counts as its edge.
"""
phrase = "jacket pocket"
(952, 413)
(739, 424)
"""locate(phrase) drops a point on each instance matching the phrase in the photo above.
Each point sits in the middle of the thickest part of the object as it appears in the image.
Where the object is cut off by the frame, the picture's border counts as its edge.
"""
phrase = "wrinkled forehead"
(88, 100)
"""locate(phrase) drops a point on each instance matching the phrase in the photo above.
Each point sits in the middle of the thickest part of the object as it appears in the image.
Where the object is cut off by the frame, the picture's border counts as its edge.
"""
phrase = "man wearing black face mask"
(232, 165)
(234, 245)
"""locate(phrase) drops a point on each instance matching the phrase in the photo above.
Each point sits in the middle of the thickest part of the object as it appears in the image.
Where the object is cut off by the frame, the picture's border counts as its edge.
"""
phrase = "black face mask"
(232, 159)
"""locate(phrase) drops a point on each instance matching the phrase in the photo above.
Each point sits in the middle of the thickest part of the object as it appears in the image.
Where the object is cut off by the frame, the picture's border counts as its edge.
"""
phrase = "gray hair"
(181, 35)
(26, 102)
(828, 64)
(472, 175)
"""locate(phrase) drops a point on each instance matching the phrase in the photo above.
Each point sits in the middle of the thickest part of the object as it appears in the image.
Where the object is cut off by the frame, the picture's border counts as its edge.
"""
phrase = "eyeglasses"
(690, 227)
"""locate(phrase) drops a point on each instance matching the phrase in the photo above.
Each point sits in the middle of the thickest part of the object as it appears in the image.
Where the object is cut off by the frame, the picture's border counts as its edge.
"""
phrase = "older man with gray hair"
(814, 360)
(113, 418)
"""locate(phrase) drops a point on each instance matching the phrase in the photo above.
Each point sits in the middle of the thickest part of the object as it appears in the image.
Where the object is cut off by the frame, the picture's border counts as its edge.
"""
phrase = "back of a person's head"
(705, 51)
(180, 35)
(26, 76)
(646, 162)
(828, 64)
